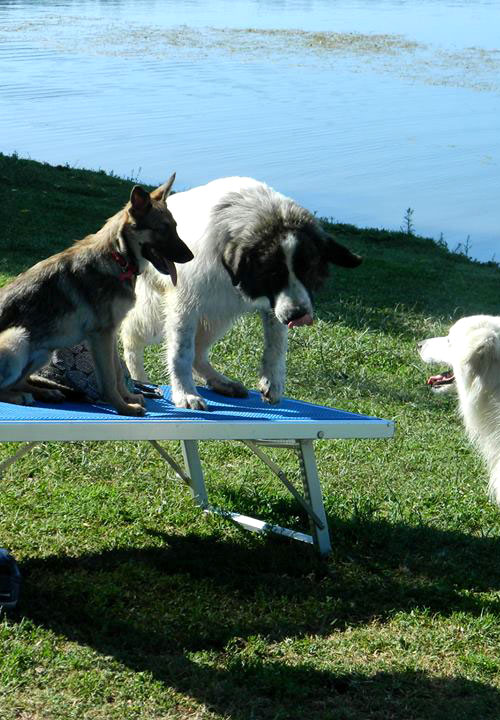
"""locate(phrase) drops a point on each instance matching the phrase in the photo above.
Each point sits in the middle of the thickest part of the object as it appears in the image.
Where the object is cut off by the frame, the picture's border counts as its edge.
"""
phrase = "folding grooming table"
(291, 424)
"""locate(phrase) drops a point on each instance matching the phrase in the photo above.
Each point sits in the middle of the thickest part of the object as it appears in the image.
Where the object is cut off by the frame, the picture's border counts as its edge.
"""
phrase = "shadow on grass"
(269, 690)
(155, 608)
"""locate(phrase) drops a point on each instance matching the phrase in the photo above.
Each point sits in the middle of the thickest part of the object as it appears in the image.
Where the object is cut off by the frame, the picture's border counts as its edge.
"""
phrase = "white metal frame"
(311, 502)
(298, 436)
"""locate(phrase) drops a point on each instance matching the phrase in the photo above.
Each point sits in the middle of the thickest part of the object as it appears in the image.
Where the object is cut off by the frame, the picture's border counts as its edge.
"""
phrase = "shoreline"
(84, 183)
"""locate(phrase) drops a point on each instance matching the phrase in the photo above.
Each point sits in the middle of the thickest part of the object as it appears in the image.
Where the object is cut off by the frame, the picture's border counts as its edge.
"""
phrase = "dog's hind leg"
(143, 325)
(273, 368)
(14, 356)
(17, 359)
(14, 361)
(206, 335)
(133, 352)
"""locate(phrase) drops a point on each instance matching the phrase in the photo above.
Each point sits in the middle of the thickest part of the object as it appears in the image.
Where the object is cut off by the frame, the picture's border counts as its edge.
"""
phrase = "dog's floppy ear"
(484, 354)
(340, 255)
(140, 202)
(162, 192)
(235, 260)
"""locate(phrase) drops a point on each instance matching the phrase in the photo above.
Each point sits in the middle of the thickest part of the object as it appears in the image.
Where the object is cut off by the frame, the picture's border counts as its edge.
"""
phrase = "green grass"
(137, 606)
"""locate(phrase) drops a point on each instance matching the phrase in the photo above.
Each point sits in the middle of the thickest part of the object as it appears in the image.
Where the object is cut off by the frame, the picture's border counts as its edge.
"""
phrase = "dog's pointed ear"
(140, 201)
(162, 192)
(234, 260)
(338, 254)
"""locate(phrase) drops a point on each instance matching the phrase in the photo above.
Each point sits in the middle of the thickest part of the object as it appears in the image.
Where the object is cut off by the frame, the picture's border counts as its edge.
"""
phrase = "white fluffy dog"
(254, 250)
(472, 351)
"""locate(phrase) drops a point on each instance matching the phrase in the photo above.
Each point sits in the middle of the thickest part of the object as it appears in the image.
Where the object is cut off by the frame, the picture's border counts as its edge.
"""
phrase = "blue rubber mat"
(220, 409)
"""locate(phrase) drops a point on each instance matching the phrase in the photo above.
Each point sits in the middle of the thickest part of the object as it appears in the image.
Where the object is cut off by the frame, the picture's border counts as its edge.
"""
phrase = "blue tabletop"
(222, 411)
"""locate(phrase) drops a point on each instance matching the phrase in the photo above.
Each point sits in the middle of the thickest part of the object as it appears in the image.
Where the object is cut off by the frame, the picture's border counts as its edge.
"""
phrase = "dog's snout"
(184, 254)
(299, 318)
(178, 250)
(295, 313)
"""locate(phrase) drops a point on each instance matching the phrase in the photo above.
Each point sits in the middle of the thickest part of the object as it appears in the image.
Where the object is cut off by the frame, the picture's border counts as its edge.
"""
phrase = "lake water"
(359, 109)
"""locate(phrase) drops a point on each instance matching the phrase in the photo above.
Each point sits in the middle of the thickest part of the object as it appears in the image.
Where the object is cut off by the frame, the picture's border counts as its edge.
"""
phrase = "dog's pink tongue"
(172, 271)
(442, 379)
(304, 320)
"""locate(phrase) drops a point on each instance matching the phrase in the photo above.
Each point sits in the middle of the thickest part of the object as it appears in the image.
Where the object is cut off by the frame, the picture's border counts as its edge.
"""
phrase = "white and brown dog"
(472, 351)
(254, 250)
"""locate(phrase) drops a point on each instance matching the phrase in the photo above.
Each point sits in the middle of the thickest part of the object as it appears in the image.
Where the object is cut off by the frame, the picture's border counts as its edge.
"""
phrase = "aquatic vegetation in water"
(474, 68)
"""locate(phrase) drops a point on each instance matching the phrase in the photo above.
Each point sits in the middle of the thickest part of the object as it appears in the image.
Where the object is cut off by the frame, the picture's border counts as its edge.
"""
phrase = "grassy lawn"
(137, 606)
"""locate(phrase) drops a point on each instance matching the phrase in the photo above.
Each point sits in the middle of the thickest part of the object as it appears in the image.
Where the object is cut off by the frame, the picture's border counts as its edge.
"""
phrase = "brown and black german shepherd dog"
(82, 294)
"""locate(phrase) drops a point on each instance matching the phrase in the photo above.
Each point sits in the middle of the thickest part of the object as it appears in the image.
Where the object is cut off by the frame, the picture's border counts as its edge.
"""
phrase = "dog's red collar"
(129, 270)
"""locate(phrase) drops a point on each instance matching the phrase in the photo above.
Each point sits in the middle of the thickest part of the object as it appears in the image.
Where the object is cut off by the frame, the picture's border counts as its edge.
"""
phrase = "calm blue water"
(395, 105)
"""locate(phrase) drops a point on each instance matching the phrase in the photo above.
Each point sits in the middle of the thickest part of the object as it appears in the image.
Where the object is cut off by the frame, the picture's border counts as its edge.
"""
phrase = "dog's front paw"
(270, 392)
(229, 388)
(189, 401)
(135, 398)
(133, 409)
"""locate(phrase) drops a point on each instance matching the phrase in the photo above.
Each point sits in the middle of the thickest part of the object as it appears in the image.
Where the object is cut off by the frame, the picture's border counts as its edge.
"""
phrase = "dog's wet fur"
(82, 294)
(255, 249)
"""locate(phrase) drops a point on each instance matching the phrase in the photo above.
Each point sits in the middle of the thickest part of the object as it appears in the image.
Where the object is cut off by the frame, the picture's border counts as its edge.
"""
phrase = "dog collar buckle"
(129, 270)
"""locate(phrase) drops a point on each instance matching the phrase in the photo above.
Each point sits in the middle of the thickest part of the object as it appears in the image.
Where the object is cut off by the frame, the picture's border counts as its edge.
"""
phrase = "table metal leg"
(26, 447)
(312, 491)
(195, 471)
